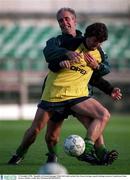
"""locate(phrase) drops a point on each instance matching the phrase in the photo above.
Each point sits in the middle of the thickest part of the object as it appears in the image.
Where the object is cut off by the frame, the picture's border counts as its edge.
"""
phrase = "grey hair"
(72, 11)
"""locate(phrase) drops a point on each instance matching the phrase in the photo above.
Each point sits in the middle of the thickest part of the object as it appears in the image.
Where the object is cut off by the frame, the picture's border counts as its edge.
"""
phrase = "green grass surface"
(116, 135)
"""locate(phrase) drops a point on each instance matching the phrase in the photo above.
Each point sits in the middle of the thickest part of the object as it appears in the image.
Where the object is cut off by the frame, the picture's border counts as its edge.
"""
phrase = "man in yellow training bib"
(66, 89)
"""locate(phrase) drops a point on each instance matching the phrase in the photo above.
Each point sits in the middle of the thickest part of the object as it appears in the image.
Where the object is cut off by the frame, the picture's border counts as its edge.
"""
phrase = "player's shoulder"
(54, 40)
(101, 50)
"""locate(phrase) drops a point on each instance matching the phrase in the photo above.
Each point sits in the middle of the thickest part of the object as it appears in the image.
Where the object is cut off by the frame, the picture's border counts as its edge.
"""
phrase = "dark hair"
(66, 9)
(99, 30)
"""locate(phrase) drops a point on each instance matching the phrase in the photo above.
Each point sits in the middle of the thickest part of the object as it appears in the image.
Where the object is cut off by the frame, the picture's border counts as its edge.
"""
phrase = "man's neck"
(74, 34)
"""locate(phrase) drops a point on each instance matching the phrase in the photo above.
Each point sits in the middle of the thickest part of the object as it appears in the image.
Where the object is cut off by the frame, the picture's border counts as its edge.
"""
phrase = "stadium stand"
(21, 46)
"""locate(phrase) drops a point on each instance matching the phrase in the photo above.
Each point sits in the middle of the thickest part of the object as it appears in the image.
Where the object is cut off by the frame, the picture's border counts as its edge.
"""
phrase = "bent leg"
(86, 123)
(97, 113)
(52, 138)
(53, 133)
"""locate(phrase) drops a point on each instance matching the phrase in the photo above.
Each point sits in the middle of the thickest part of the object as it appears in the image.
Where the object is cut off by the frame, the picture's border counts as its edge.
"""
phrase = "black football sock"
(101, 151)
(21, 151)
(53, 149)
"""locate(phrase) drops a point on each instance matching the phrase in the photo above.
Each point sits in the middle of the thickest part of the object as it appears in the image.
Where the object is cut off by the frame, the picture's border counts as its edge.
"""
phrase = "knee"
(106, 115)
(34, 131)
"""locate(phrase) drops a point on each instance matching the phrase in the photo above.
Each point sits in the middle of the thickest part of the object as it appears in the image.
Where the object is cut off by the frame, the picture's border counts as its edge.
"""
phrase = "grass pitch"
(116, 136)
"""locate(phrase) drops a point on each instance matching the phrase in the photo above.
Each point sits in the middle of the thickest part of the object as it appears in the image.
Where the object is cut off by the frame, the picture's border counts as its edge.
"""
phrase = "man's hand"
(73, 56)
(116, 94)
(91, 62)
(65, 64)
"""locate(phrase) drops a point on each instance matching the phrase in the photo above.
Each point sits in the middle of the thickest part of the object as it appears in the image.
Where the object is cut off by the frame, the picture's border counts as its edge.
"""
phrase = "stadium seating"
(21, 46)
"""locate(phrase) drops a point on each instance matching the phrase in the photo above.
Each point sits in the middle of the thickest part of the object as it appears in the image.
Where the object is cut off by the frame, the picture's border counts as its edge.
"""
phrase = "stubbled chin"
(67, 31)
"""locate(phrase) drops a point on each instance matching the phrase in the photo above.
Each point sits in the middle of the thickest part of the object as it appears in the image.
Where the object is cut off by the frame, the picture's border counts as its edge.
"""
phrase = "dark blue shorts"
(60, 110)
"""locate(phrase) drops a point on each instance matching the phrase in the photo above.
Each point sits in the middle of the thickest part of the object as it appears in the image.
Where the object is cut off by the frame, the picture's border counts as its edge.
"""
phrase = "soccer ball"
(74, 145)
(52, 168)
